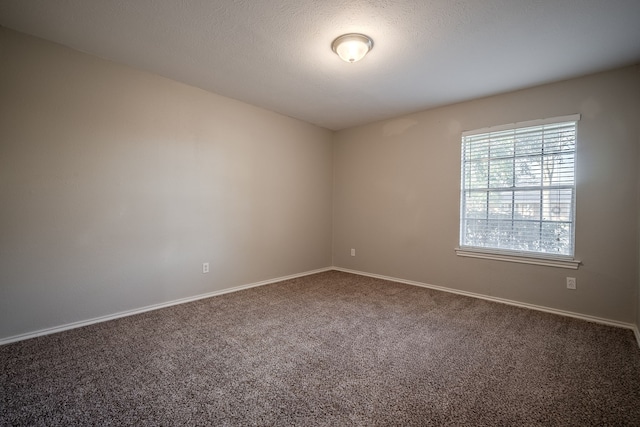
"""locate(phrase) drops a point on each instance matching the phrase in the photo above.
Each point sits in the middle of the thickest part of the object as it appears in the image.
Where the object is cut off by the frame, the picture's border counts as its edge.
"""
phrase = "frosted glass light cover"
(352, 47)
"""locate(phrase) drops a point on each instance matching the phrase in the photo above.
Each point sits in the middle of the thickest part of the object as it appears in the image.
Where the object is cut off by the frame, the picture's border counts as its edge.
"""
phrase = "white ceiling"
(277, 54)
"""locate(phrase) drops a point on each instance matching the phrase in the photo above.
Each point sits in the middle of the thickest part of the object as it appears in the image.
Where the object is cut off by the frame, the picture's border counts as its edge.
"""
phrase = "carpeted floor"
(331, 349)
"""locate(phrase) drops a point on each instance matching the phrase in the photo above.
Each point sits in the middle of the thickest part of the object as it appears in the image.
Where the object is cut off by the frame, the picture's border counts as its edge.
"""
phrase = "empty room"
(296, 212)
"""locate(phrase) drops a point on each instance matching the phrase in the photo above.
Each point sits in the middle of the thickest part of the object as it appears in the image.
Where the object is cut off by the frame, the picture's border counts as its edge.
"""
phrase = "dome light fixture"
(352, 47)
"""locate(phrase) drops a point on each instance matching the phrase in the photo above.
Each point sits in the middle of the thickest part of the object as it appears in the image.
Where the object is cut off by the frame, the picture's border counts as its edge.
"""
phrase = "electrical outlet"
(353, 252)
(571, 282)
(205, 267)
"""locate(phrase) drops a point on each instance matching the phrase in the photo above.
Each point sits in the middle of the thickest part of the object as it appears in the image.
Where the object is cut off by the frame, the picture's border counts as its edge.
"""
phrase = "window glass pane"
(528, 171)
(559, 138)
(557, 205)
(499, 233)
(500, 203)
(476, 150)
(556, 238)
(501, 173)
(474, 232)
(527, 236)
(476, 174)
(558, 169)
(527, 205)
(528, 141)
(476, 205)
(501, 144)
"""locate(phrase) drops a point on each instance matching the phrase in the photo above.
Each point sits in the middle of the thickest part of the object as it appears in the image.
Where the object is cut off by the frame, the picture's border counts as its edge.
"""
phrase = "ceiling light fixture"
(352, 47)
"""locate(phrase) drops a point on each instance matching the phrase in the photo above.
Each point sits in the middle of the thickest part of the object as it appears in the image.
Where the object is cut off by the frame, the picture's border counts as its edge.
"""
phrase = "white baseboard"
(586, 317)
(126, 313)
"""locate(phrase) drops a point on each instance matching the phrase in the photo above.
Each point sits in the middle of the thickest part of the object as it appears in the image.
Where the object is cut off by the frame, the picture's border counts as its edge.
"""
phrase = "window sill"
(548, 261)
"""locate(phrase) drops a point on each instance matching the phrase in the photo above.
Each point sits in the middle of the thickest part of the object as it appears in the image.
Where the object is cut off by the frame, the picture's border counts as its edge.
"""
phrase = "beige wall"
(116, 185)
(397, 189)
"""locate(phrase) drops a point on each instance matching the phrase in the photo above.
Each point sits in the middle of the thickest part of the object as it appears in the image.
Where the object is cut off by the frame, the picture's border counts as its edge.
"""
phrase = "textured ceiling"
(276, 54)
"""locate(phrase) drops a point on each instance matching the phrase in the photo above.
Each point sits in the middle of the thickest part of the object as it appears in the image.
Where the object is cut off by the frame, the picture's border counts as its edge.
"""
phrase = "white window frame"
(526, 257)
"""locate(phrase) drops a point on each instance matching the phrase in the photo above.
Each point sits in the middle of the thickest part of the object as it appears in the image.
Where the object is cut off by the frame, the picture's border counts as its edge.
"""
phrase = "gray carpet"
(329, 349)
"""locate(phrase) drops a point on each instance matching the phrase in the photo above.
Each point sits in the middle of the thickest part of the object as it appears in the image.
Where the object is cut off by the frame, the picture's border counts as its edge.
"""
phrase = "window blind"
(518, 187)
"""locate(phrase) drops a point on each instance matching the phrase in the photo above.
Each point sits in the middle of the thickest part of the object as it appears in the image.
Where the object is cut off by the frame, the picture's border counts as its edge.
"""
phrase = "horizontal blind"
(518, 189)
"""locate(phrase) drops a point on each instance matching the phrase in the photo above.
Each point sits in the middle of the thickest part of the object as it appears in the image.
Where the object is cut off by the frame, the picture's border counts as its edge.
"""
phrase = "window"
(518, 192)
